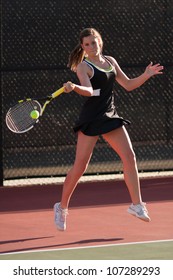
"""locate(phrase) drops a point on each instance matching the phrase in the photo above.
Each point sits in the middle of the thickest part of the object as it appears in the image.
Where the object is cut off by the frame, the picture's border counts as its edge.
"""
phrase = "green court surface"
(157, 250)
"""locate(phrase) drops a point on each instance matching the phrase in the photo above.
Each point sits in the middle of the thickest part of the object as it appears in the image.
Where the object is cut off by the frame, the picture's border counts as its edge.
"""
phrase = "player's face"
(91, 45)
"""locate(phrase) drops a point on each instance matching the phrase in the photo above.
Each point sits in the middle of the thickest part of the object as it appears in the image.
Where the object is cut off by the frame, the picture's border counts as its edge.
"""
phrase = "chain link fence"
(37, 37)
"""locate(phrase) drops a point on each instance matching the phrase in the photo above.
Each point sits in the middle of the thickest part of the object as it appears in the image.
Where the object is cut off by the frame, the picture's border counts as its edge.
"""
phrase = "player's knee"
(81, 166)
(129, 157)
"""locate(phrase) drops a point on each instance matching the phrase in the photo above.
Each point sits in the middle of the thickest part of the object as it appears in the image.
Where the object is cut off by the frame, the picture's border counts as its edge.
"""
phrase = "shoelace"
(142, 207)
(64, 213)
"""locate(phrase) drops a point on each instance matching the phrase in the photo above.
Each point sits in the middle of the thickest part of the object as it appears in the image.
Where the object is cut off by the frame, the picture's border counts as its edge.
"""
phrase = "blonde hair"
(77, 55)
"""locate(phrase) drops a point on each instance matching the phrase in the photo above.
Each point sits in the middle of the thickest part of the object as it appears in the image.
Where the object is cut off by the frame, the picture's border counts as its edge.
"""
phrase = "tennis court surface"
(98, 225)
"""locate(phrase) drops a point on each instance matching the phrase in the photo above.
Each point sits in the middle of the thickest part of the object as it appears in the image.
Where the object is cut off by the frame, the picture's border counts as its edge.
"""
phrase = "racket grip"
(58, 92)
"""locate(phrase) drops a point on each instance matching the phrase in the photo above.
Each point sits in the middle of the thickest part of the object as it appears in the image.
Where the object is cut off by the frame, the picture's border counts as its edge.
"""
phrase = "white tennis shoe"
(140, 211)
(60, 216)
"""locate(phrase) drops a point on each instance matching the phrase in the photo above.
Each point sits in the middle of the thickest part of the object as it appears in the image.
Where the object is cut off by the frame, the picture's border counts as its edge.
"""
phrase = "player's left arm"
(131, 84)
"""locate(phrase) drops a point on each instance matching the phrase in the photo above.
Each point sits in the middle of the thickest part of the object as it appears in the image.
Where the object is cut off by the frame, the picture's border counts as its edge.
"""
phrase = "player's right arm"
(85, 88)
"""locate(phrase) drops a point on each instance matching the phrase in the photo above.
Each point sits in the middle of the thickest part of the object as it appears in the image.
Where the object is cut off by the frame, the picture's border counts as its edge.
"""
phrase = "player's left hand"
(155, 69)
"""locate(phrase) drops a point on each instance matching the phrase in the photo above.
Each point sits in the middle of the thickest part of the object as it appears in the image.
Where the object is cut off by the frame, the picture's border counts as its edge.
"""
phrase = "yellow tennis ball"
(34, 114)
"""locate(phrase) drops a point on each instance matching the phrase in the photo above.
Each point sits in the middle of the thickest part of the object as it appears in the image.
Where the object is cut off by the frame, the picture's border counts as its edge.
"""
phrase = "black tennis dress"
(98, 115)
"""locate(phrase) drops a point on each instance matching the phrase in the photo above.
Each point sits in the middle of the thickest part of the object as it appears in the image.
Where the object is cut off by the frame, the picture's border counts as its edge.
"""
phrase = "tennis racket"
(26, 113)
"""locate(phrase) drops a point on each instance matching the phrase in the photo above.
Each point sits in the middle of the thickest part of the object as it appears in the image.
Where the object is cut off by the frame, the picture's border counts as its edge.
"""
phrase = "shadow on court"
(77, 243)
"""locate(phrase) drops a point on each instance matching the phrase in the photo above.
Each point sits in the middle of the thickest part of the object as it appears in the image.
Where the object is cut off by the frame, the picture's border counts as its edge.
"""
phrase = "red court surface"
(97, 216)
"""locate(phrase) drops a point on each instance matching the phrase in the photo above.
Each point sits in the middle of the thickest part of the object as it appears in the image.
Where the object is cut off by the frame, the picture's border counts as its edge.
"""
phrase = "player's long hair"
(77, 55)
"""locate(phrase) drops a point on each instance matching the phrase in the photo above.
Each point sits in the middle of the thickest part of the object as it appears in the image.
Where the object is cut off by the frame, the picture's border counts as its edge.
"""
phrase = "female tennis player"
(97, 74)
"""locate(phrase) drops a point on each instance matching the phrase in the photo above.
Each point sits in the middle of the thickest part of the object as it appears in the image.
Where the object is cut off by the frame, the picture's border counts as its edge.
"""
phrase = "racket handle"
(57, 92)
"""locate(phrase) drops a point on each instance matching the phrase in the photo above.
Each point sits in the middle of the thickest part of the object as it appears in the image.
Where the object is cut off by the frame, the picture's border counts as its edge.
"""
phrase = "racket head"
(18, 118)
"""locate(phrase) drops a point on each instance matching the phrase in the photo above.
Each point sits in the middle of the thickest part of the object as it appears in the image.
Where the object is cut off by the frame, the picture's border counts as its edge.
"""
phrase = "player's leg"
(84, 150)
(121, 143)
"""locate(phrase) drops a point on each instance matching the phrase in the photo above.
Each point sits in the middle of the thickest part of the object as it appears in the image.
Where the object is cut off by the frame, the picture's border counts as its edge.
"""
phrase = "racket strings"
(18, 118)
